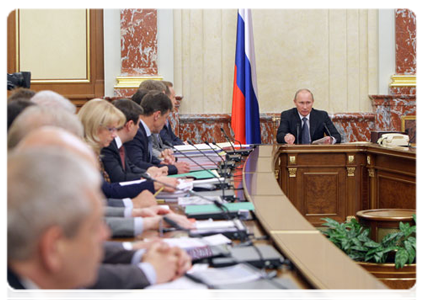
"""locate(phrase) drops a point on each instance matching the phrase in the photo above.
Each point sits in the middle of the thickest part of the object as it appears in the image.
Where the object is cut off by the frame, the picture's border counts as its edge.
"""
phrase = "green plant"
(352, 238)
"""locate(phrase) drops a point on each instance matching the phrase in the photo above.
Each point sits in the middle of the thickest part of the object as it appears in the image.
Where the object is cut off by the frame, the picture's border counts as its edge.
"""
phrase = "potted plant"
(397, 247)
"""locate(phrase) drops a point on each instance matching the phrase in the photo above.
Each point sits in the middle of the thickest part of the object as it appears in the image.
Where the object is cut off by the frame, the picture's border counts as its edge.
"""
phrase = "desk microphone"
(298, 133)
(234, 157)
(225, 211)
(225, 162)
(222, 172)
(222, 184)
(243, 152)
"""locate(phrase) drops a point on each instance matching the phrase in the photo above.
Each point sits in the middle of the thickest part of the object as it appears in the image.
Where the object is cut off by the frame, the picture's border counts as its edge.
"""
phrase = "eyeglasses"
(112, 129)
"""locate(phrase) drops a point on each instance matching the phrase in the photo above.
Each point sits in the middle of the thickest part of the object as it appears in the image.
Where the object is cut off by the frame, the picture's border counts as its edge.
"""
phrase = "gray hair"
(53, 99)
(45, 187)
(37, 116)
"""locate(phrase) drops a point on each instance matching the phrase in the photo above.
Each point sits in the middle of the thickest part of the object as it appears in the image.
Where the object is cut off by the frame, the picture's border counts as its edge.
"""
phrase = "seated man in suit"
(54, 213)
(166, 134)
(304, 124)
(117, 165)
(157, 107)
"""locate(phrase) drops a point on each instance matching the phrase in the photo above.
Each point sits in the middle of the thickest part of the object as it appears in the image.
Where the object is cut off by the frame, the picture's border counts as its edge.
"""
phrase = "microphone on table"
(243, 152)
(324, 124)
(298, 133)
(234, 157)
(228, 164)
(223, 184)
(241, 232)
(223, 172)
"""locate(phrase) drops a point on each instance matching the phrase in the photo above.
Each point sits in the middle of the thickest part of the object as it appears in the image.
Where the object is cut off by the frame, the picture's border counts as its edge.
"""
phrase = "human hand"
(144, 199)
(164, 260)
(149, 211)
(182, 167)
(169, 181)
(155, 172)
(289, 138)
(328, 140)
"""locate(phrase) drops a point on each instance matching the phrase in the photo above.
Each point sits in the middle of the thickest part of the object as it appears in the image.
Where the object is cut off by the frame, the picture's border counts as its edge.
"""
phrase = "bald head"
(56, 137)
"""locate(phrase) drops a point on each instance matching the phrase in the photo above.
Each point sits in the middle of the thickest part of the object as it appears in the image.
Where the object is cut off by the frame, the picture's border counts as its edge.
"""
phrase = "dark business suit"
(113, 165)
(168, 137)
(116, 270)
(137, 151)
(291, 123)
(13, 288)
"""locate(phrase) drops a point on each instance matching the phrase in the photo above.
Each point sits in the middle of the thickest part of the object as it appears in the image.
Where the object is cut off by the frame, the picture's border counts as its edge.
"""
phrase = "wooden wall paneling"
(394, 191)
(77, 92)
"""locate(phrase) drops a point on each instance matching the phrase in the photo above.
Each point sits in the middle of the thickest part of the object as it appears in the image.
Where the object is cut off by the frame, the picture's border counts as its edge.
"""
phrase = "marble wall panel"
(206, 127)
(406, 41)
(138, 42)
(390, 108)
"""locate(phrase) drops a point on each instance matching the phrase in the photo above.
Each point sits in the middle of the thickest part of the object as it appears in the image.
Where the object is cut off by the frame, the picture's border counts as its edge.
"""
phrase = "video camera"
(19, 79)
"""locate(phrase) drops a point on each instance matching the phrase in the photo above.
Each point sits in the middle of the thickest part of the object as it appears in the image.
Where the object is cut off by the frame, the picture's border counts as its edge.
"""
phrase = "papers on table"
(184, 187)
(199, 147)
(215, 227)
(203, 174)
(187, 242)
(204, 156)
(239, 273)
(194, 200)
(179, 289)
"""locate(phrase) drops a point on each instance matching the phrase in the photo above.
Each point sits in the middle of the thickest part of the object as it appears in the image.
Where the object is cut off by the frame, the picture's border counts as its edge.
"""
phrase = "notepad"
(197, 174)
(211, 208)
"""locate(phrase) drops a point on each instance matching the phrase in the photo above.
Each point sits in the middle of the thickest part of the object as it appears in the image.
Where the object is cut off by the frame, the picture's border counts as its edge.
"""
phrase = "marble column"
(394, 110)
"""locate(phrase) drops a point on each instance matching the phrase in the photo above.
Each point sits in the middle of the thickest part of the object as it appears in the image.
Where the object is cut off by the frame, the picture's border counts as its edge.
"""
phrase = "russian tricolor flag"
(245, 110)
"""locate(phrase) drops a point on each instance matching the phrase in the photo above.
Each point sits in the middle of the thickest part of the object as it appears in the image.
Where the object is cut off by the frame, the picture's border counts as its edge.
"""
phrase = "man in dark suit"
(115, 161)
(304, 124)
(54, 212)
(156, 106)
(166, 134)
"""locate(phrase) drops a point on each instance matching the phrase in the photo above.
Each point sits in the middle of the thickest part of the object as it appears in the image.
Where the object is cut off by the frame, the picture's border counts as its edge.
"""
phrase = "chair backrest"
(276, 120)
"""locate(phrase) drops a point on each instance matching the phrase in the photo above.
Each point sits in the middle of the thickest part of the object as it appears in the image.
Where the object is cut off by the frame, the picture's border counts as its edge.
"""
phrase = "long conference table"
(324, 181)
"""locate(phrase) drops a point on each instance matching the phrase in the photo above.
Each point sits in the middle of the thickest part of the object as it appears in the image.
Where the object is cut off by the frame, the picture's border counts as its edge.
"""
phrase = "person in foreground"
(54, 239)
(303, 124)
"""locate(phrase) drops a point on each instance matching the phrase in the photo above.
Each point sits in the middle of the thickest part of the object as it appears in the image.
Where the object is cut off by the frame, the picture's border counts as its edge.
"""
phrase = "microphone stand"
(243, 152)
(234, 157)
(222, 172)
(227, 164)
(223, 208)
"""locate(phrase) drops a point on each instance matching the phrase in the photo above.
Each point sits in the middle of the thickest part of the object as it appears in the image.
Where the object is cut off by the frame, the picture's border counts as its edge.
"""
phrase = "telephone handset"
(393, 139)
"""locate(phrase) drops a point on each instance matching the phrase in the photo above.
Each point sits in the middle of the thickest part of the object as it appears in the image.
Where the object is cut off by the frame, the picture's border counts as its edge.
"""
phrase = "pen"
(161, 189)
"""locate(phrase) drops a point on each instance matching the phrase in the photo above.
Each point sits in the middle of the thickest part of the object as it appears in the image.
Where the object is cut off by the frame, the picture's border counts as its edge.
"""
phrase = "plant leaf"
(401, 258)
(411, 252)
(415, 243)
(371, 244)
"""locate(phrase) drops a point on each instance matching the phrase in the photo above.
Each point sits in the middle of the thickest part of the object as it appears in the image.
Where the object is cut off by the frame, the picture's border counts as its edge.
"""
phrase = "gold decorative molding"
(277, 174)
(133, 82)
(350, 159)
(351, 171)
(87, 53)
(292, 159)
(368, 159)
(292, 172)
(403, 80)
(371, 172)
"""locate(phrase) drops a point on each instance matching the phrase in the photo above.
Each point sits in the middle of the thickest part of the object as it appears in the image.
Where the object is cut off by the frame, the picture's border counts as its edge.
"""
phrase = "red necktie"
(122, 156)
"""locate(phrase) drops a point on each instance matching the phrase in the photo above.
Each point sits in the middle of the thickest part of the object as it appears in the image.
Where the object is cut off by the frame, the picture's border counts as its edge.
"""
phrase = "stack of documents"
(195, 200)
(204, 174)
(204, 156)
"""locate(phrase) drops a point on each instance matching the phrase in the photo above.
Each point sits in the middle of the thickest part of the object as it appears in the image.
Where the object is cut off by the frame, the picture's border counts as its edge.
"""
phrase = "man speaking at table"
(303, 124)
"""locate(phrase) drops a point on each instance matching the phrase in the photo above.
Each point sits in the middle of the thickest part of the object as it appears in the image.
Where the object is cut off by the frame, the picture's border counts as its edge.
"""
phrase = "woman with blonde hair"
(101, 121)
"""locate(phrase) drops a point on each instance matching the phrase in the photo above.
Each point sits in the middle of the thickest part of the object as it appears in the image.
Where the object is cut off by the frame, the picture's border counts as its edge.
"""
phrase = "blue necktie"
(305, 134)
(150, 148)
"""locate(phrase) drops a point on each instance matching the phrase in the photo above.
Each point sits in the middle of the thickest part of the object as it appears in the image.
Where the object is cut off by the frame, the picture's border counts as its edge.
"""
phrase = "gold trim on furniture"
(87, 53)
(403, 120)
(368, 159)
(403, 80)
(350, 159)
(292, 159)
(371, 172)
(133, 82)
(292, 172)
(351, 171)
